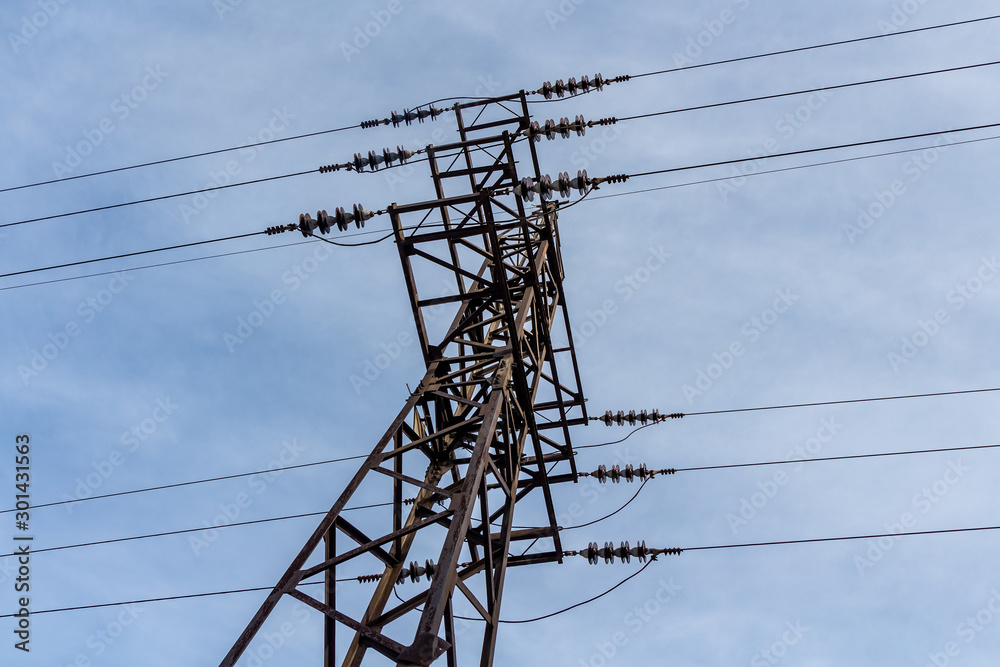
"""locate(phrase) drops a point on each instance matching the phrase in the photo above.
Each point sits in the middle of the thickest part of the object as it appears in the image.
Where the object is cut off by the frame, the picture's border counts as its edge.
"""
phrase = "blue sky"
(884, 271)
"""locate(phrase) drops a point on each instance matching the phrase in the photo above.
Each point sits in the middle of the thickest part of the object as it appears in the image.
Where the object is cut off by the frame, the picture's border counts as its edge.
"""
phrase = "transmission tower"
(485, 430)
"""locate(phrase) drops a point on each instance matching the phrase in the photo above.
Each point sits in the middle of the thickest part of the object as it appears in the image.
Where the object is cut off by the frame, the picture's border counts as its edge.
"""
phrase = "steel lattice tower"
(486, 429)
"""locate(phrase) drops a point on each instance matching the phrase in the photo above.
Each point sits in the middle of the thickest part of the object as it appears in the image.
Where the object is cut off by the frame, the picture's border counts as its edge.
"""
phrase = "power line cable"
(319, 170)
(603, 444)
(608, 516)
(846, 457)
(177, 159)
(446, 99)
(807, 91)
(815, 540)
(626, 118)
(158, 198)
(194, 530)
(129, 254)
(587, 196)
(855, 144)
(795, 168)
(796, 405)
(817, 46)
(673, 169)
(629, 502)
(197, 481)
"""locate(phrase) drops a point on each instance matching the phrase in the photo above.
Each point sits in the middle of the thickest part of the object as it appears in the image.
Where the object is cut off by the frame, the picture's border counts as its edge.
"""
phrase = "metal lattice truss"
(485, 431)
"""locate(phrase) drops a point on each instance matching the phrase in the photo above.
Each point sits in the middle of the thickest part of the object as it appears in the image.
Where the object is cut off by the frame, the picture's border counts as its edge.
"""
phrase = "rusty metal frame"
(484, 428)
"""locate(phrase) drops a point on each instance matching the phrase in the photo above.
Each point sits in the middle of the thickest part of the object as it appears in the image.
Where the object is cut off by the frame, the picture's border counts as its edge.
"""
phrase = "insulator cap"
(415, 571)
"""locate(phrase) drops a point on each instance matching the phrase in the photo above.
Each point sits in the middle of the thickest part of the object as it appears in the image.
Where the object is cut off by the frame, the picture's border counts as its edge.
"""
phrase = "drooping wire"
(629, 502)
(580, 604)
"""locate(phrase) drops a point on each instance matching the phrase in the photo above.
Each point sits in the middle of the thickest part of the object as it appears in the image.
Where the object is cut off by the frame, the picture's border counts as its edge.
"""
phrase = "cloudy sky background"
(153, 350)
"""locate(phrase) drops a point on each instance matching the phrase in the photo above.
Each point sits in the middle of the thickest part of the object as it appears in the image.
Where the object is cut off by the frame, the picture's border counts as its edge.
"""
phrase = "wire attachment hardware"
(594, 553)
(632, 417)
(629, 473)
(278, 229)
(373, 160)
(407, 117)
(413, 573)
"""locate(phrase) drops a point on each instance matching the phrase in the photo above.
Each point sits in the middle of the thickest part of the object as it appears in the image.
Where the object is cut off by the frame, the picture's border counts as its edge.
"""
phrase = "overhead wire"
(814, 540)
(318, 170)
(793, 168)
(446, 99)
(762, 98)
(603, 444)
(585, 525)
(589, 192)
(622, 119)
(855, 144)
(798, 405)
(800, 49)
